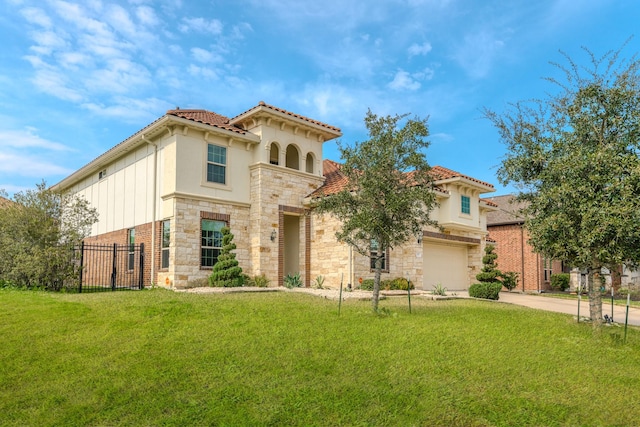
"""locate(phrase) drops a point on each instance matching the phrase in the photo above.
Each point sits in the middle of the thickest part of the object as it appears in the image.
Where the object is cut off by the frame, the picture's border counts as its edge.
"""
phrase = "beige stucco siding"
(124, 197)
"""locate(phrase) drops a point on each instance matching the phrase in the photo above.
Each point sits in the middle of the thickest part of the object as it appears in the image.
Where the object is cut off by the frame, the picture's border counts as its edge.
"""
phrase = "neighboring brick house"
(506, 228)
(175, 183)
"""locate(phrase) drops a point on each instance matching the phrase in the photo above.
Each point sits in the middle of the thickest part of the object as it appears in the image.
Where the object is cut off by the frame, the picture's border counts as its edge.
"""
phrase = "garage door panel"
(445, 265)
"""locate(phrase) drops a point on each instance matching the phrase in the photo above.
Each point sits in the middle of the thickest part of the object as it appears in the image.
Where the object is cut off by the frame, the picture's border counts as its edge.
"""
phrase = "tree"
(226, 271)
(489, 272)
(37, 232)
(389, 194)
(574, 155)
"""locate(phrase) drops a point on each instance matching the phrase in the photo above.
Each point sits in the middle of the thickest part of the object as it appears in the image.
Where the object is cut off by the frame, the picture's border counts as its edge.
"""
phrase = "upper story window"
(293, 158)
(465, 204)
(102, 174)
(216, 164)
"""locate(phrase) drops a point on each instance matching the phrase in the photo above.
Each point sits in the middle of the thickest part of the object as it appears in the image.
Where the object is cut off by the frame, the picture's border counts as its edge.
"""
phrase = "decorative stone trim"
(434, 235)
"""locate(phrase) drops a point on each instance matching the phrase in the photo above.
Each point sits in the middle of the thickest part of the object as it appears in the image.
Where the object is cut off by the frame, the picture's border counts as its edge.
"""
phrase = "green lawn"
(156, 357)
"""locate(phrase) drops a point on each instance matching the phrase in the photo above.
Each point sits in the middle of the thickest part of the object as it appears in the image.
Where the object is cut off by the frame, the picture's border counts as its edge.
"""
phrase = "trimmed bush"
(397, 284)
(510, 280)
(560, 282)
(485, 290)
(226, 272)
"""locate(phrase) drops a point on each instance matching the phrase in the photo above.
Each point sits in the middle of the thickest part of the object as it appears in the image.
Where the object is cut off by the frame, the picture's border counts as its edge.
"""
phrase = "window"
(465, 205)
(547, 267)
(216, 164)
(373, 254)
(131, 241)
(292, 157)
(164, 246)
(211, 242)
(274, 154)
(102, 174)
(309, 165)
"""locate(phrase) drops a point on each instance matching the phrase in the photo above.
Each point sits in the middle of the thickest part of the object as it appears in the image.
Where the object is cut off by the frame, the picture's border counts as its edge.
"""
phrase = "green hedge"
(560, 281)
(485, 290)
(399, 283)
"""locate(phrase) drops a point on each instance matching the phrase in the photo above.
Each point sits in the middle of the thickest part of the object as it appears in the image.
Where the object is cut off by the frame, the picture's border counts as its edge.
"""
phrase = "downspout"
(153, 208)
(522, 255)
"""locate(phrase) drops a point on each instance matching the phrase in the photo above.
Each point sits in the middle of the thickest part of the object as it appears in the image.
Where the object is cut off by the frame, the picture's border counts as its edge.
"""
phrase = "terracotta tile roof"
(335, 180)
(289, 113)
(5, 202)
(440, 173)
(208, 118)
(507, 212)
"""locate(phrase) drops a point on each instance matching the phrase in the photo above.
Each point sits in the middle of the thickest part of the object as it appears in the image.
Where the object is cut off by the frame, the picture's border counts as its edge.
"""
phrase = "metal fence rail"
(110, 267)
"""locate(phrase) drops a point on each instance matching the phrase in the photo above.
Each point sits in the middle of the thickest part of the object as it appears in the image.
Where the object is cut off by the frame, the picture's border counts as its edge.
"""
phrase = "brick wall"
(515, 254)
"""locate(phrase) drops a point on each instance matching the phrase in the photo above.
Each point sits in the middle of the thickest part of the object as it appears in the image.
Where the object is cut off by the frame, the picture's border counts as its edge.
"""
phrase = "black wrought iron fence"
(110, 267)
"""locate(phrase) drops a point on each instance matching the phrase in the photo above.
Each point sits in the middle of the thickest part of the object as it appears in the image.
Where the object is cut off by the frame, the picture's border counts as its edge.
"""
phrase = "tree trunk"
(376, 284)
(595, 297)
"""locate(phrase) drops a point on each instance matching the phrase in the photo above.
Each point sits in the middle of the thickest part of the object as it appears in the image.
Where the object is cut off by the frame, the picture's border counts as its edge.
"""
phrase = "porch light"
(273, 235)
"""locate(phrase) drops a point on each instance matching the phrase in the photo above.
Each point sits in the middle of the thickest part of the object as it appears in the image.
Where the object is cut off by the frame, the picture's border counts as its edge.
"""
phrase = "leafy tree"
(37, 232)
(509, 279)
(489, 272)
(574, 155)
(226, 271)
(389, 194)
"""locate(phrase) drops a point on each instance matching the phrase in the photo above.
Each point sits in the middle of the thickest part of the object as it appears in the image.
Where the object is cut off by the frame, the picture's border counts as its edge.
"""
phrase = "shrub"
(439, 290)
(489, 272)
(293, 281)
(367, 285)
(318, 282)
(560, 281)
(226, 271)
(485, 290)
(260, 281)
(510, 280)
(399, 283)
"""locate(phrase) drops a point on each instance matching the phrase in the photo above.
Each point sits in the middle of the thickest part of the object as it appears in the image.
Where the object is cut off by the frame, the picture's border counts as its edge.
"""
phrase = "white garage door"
(445, 265)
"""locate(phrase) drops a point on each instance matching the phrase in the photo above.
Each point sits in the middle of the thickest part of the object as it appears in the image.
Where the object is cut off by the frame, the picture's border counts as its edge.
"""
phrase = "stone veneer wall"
(336, 262)
(186, 238)
(277, 191)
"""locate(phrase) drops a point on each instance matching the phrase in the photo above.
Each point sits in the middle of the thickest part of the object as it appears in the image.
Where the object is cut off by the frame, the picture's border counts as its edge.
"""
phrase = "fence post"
(113, 268)
(141, 282)
(81, 266)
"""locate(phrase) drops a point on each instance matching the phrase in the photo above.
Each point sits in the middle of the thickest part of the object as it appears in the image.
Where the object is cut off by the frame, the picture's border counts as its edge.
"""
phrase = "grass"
(156, 357)
(606, 298)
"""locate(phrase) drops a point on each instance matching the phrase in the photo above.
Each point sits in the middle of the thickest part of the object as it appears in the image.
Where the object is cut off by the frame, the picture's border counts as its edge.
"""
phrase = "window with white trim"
(465, 205)
(216, 164)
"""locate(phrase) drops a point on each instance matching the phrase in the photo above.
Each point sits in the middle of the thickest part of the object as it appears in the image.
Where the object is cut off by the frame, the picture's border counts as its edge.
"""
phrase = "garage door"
(445, 265)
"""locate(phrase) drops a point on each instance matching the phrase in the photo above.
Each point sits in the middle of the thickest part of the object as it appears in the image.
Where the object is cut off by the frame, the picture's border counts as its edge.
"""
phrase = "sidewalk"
(570, 306)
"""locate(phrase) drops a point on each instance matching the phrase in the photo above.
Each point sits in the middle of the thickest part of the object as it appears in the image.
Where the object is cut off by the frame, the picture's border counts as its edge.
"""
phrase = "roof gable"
(508, 211)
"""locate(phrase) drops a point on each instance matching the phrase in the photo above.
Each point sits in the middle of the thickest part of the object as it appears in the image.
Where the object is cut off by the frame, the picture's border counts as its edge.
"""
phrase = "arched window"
(274, 154)
(310, 162)
(293, 158)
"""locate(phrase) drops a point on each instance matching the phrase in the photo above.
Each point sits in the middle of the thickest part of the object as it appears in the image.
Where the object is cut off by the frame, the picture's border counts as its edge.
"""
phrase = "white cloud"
(129, 110)
(201, 55)
(478, 52)
(419, 49)
(28, 138)
(147, 16)
(23, 164)
(37, 16)
(404, 81)
(201, 25)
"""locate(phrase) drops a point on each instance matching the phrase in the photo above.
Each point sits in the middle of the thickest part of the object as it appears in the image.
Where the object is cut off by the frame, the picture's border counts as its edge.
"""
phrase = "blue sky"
(78, 77)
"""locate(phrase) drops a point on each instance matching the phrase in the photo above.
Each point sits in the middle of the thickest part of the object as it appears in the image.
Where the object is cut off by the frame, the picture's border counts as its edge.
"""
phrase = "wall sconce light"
(419, 239)
(273, 235)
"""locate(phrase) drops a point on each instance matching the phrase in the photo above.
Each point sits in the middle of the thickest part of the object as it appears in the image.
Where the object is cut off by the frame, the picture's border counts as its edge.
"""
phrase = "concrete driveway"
(570, 306)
